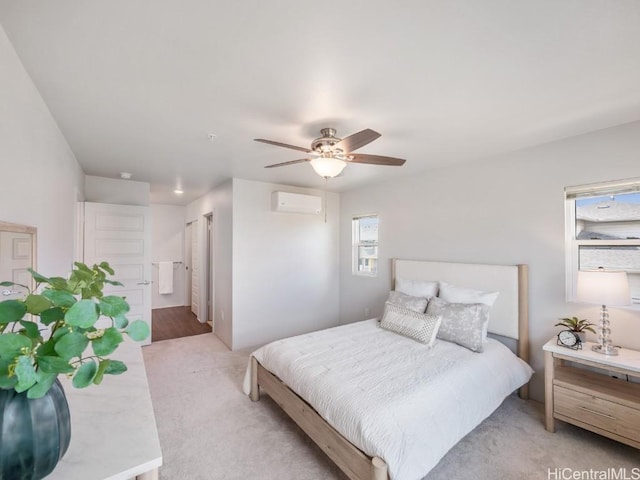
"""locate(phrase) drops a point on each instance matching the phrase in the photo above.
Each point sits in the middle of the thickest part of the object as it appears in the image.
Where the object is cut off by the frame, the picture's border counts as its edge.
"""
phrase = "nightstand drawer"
(602, 414)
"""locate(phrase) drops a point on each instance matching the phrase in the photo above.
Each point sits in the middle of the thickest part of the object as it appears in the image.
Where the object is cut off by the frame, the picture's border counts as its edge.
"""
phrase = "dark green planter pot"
(34, 434)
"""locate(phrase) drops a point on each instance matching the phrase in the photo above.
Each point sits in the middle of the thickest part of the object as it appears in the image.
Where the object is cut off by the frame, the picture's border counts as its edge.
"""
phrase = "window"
(603, 230)
(364, 236)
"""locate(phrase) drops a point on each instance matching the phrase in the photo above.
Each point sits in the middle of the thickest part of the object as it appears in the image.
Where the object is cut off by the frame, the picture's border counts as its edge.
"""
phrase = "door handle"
(7, 292)
(146, 282)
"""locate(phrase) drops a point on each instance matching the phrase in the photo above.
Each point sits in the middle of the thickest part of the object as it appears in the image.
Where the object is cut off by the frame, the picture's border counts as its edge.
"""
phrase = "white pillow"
(455, 294)
(417, 288)
(417, 304)
(418, 326)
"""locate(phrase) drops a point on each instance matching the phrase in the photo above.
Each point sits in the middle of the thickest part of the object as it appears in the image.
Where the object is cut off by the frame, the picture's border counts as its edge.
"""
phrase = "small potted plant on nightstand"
(579, 326)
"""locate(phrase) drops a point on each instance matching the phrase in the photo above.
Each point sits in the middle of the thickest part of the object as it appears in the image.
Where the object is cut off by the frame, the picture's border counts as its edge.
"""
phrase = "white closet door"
(121, 235)
(195, 269)
(15, 258)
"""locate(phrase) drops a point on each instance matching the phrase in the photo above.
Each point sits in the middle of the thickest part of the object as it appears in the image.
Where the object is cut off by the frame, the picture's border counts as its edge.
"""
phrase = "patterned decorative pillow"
(417, 304)
(462, 323)
(419, 326)
(416, 288)
(455, 294)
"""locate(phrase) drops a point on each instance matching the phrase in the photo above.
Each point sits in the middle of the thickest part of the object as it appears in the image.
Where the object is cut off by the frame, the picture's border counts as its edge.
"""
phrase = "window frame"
(572, 244)
(356, 244)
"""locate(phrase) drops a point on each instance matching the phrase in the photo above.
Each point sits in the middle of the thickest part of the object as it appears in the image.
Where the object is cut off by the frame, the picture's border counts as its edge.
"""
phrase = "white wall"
(167, 244)
(219, 203)
(41, 179)
(117, 191)
(276, 274)
(285, 266)
(506, 210)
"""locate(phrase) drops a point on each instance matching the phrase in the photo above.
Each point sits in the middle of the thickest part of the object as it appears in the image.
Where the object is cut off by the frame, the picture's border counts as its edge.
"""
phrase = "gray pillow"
(417, 304)
(462, 323)
(418, 326)
(455, 294)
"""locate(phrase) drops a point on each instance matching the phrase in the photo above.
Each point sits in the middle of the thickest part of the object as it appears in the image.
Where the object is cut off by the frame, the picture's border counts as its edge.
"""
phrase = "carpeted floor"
(209, 430)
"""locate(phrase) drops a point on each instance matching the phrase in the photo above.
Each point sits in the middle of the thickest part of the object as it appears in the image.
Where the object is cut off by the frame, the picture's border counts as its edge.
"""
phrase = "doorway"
(188, 319)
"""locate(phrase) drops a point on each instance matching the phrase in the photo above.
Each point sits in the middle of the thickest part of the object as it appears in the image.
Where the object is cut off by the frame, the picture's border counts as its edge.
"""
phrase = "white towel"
(165, 278)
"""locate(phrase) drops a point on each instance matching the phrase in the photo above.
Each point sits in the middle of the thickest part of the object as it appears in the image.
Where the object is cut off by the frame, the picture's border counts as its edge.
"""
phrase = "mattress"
(391, 396)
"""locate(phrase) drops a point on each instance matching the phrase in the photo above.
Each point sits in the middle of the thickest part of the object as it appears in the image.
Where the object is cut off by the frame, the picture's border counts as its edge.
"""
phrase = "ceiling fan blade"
(357, 140)
(375, 159)
(292, 162)
(285, 145)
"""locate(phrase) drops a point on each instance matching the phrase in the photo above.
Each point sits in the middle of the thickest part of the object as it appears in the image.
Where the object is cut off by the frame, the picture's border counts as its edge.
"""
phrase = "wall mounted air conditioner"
(295, 203)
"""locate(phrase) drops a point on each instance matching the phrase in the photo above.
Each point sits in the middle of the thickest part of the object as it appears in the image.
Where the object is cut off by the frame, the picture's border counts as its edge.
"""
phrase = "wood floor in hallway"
(175, 322)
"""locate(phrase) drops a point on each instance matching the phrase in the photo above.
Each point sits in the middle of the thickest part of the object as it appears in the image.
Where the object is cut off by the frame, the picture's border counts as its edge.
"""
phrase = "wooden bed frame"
(509, 318)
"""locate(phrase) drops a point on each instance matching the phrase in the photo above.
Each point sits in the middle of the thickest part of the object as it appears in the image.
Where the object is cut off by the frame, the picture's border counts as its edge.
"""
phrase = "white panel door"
(15, 259)
(121, 235)
(208, 293)
(195, 270)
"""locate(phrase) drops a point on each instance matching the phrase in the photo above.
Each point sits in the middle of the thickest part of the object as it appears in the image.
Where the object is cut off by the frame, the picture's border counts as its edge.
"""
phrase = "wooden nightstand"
(592, 399)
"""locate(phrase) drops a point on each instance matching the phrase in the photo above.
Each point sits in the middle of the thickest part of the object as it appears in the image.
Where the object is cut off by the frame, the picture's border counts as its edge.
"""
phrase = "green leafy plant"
(48, 332)
(576, 325)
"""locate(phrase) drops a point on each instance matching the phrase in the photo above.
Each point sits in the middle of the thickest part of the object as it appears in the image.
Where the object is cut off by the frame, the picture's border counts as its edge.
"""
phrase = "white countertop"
(628, 359)
(113, 428)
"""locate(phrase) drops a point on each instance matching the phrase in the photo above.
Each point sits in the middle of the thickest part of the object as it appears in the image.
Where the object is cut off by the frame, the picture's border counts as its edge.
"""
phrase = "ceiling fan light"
(328, 167)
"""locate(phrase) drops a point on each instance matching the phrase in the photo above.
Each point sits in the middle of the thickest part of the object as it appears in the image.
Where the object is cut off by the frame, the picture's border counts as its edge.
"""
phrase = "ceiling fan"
(331, 154)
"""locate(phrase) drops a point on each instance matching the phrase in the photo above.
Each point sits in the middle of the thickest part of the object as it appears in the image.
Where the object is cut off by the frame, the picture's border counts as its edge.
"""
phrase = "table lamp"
(604, 288)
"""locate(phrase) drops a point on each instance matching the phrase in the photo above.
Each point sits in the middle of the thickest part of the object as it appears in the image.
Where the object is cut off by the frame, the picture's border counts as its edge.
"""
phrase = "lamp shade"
(328, 167)
(603, 288)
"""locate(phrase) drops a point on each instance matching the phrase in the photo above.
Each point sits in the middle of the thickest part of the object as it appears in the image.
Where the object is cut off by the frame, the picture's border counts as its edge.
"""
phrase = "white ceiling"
(138, 85)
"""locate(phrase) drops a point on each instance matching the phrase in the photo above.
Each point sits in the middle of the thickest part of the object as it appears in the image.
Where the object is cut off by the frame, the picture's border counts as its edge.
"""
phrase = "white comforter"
(389, 395)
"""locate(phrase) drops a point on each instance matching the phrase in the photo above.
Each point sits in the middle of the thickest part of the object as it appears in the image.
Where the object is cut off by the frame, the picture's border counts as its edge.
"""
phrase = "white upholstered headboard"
(509, 314)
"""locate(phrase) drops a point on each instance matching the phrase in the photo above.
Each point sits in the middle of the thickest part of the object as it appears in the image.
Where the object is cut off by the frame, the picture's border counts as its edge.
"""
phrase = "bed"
(363, 394)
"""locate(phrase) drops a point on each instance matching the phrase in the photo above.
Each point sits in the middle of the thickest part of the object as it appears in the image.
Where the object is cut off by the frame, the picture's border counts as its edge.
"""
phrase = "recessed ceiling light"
(125, 175)
(178, 191)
